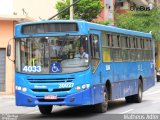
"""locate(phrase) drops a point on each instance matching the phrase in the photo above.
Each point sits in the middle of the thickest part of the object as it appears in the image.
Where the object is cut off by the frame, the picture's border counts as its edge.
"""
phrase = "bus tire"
(138, 97)
(102, 107)
(45, 109)
(158, 78)
(129, 99)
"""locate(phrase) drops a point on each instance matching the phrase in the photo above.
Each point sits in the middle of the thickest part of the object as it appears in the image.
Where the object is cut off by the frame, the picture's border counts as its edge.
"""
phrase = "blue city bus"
(50, 69)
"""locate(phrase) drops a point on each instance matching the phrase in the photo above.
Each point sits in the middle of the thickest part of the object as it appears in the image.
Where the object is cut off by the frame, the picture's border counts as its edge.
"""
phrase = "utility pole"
(71, 10)
(64, 10)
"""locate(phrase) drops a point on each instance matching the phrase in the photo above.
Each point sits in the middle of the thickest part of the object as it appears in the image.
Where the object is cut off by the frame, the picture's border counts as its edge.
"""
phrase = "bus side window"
(95, 54)
(139, 49)
(106, 46)
(146, 55)
(125, 48)
(116, 48)
(150, 49)
(133, 53)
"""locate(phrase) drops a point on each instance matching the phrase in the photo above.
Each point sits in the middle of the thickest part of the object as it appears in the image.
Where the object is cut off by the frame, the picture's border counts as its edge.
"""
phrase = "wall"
(36, 9)
(6, 33)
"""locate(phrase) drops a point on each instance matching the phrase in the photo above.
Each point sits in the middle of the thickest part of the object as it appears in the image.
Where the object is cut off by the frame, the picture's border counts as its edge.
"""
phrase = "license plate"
(50, 97)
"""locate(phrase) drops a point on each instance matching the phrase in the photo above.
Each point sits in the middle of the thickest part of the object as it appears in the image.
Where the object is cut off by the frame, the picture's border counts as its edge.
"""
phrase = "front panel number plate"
(50, 97)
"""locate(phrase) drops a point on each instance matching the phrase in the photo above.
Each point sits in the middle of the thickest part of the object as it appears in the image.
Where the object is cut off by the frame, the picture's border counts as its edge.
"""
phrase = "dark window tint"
(115, 41)
(124, 41)
(132, 42)
(49, 27)
(142, 42)
(105, 39)
(95, 54)
(138, 43)
(95, 46)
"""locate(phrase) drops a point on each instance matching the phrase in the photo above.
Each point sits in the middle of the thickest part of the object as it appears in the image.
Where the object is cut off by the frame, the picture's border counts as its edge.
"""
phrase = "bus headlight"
(24, 89)
(19, 88)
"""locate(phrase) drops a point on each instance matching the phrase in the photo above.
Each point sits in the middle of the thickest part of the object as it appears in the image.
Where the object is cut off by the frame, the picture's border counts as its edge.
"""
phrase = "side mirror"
(9, 50)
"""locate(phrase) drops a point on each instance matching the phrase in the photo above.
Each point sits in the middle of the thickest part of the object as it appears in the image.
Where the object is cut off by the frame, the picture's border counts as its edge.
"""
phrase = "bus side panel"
(122, 77)
(124, 88)
(98, 93)
(107, 72)
(148, 82)
(98, 85)
(148, 75)
(129, 85)
(118, 71)
(125, 79)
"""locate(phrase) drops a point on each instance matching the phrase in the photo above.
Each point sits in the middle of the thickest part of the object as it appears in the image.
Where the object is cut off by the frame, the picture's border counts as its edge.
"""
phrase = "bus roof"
(95, 26)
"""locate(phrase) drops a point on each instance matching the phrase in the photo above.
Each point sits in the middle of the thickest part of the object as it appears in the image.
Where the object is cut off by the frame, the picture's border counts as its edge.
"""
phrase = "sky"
(6, 6)
(36, 9)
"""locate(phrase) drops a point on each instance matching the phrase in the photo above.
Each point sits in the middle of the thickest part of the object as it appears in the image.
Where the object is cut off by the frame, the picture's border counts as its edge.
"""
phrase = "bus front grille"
(56, 80)
(58, 100)
(54, 90)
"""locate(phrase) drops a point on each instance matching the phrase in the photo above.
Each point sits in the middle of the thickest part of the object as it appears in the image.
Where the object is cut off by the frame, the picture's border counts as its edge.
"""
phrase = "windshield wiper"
(62, 46)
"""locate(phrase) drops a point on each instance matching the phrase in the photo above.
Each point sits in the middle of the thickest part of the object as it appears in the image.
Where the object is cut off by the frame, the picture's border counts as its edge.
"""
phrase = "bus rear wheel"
(45, 109)
(102, 107)
(158, 78)
(137, 98)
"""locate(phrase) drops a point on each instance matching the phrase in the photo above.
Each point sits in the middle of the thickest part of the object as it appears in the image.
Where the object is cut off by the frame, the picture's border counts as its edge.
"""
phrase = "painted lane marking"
(33, 112)
(28, 112)
(152, 93)
(127, 111)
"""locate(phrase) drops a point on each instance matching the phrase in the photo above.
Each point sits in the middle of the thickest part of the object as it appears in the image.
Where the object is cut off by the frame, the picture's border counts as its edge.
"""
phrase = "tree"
(104, 22)
(145, 21)
(85, 9)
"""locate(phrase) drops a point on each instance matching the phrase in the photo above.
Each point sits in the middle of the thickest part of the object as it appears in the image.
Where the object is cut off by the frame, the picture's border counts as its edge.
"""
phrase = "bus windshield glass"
(49, 55)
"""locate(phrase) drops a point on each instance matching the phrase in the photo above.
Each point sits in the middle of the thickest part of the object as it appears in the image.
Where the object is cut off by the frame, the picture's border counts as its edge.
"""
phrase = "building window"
(2, 69)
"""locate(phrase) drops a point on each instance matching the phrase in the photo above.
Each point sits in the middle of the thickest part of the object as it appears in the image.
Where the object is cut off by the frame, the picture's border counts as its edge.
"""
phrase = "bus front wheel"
(45, 109)
(102, 107)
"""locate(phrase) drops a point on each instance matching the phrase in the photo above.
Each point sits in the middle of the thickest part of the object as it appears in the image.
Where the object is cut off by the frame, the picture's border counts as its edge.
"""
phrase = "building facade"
(107, 13)
(36, 9)
(121, 6)
(11, 13)
(7, 23)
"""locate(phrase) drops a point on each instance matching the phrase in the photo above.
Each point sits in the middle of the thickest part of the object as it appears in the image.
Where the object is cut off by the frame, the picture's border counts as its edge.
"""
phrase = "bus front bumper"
(83, 97)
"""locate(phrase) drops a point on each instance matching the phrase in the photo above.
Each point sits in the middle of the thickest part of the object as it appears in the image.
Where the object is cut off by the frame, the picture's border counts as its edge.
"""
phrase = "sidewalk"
(7, 96)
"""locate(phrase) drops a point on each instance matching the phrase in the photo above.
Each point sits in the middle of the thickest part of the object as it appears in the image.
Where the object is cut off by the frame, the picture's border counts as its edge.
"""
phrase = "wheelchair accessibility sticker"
(55, 67)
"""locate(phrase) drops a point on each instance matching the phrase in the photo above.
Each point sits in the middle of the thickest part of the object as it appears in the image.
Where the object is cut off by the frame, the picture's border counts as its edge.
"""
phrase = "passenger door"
(95, 57)
(96, 66)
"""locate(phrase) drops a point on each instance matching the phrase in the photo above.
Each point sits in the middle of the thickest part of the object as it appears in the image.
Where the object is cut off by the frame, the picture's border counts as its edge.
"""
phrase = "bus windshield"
(45, 55)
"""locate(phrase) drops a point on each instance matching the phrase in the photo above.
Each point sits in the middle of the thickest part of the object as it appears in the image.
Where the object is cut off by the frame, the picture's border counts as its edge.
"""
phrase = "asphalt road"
(117, 109)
